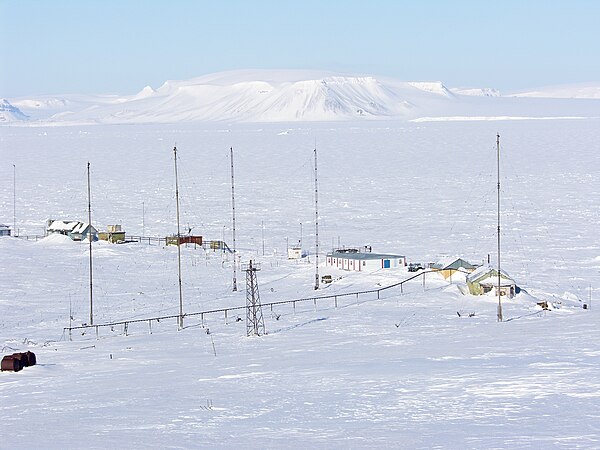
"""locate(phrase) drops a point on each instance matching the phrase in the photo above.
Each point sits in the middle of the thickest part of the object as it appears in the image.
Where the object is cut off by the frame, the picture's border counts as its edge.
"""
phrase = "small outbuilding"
(4, 230)
(354, 260)
(184, 239)
(449, 266)
(113, 234)
(485, 279)
(294, 253)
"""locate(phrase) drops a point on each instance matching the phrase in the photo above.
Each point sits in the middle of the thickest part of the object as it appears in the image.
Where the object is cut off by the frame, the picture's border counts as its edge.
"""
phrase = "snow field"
(403, 371)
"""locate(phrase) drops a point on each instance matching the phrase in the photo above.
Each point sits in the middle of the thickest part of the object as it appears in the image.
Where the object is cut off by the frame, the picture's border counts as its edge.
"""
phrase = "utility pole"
(316, 224)
(180, 319)
(499, 290)
(90, 243)
(143, 219)
(233, 221)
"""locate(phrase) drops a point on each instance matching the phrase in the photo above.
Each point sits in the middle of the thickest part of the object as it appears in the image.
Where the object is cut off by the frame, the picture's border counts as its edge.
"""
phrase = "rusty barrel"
(22, 359)
(10, 363)
(31, 361)
(27, 358)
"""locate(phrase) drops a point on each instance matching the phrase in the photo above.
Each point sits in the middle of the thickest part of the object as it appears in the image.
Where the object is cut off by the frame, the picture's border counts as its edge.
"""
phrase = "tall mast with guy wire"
(499, 290)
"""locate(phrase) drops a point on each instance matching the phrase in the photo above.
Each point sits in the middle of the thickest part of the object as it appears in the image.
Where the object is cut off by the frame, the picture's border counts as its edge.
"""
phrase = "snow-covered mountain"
(326, 98)
(289, 96)
(10, 113)
(250, 96)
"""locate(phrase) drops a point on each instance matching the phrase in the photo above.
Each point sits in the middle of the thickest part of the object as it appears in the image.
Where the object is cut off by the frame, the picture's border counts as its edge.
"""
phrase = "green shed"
(485, 279)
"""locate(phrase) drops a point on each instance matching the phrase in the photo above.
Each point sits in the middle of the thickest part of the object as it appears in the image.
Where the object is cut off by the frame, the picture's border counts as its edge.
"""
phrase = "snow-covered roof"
(80, 227)
(363, 256)
(72, 226)
(483, 273)
(4, 226)
(452, 262)
(63, 225)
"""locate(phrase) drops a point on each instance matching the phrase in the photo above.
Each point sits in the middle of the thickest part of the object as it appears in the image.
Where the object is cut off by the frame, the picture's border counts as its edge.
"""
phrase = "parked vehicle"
(415, 267)
(326, 279)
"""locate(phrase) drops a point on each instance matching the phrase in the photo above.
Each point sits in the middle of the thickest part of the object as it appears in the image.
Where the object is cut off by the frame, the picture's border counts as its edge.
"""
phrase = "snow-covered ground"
(401, 371)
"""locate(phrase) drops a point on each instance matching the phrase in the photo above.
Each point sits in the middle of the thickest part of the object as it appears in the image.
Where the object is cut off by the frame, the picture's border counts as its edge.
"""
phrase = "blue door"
(386, 263)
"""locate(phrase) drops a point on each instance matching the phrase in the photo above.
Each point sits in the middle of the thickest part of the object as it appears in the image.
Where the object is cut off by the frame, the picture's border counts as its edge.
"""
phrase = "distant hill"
(249, 96)
(288, 96)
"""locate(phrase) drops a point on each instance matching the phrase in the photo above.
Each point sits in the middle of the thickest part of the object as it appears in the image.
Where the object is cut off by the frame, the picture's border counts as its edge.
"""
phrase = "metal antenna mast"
(180, 320)
(233, 221)
(316, 224)
(262, 227)
(255, 324)
(90, 243)
(499, 290)
(14, 200)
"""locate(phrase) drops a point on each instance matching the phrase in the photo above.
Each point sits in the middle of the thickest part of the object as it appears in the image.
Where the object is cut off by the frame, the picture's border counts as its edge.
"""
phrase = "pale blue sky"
(120, 46)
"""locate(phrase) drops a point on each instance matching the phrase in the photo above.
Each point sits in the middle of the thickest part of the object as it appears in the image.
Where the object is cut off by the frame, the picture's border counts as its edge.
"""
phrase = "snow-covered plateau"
(425, 366)
(295, 95)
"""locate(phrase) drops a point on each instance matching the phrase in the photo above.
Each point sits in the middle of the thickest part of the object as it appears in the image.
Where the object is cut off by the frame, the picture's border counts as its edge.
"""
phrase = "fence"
(149, 240)
(227, 311)
(152, 240)
(31, 237)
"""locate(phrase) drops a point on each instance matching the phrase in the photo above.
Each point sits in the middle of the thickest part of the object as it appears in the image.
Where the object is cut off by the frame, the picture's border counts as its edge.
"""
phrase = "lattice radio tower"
(255, 324)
